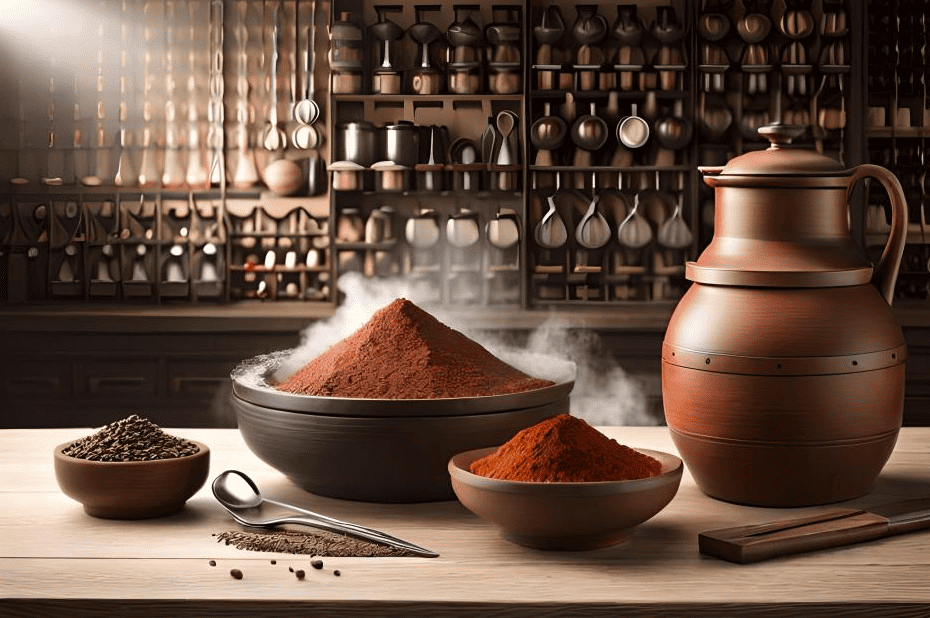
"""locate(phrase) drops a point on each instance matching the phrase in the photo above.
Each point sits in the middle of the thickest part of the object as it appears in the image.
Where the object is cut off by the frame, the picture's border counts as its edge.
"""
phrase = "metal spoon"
(274, 138)
(244, 504)
(307, 111)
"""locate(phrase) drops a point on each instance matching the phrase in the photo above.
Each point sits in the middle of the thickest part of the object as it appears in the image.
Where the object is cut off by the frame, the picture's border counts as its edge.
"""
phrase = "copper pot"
(783, 365)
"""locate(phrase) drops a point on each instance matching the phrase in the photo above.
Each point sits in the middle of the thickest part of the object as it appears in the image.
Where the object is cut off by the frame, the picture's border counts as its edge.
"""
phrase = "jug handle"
(886, 271)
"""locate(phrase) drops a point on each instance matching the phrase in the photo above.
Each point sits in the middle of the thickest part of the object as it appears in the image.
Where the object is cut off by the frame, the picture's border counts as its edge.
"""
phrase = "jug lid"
(781, 158)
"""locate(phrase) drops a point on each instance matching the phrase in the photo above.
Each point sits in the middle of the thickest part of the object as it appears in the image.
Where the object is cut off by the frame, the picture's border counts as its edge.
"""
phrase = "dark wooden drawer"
(118, 378)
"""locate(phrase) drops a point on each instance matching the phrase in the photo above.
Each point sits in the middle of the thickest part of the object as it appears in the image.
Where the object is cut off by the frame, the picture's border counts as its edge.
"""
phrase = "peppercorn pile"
(404, 352)
(131, 439)
(565, 449)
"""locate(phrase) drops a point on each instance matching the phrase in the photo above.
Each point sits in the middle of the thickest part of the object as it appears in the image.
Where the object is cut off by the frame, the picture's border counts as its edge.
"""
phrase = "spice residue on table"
(565, 449)
(404, 352)
(316, 543)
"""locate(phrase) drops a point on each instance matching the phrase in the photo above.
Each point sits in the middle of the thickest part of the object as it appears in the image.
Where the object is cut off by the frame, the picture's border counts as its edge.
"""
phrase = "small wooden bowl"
(132, 489)
(565, 516)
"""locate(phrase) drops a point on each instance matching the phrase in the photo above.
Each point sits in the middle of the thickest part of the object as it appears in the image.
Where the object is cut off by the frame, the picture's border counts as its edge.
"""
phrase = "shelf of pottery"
(186, 123)
(427, 168)
(898, 131)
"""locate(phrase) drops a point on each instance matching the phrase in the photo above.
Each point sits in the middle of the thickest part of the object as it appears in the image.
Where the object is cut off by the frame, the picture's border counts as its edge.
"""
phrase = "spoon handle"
(309, 518)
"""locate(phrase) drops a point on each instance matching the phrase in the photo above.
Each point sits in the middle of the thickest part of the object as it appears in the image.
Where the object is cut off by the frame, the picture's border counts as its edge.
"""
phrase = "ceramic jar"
(783, 365)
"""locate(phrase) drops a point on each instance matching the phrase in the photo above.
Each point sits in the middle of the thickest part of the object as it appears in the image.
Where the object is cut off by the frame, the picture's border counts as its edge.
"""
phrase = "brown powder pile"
(565, 449)
(404, 352)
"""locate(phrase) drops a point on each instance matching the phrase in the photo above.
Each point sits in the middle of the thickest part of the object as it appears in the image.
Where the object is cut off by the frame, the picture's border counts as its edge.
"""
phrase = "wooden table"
(56, 560)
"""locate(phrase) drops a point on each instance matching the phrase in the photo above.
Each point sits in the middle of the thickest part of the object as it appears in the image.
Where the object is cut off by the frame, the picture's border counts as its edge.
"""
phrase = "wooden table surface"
(56, 560)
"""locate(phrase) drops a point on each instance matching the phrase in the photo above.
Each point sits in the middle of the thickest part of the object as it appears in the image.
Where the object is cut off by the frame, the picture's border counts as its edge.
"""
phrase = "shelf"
(902, 132)
(423, 98)
(608, 168)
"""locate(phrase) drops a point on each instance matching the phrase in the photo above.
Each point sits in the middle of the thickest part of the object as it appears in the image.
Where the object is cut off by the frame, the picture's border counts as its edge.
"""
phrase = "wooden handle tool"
(754, 543)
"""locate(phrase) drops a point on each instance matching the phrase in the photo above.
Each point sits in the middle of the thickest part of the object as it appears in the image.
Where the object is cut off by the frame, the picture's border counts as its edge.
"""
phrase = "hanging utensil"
(634, 231)
(547, 134)
(307, 111)
(462, 229)
(503, 231)
(148, 170)
(593, 231)
(422, 230)
(550, 232)
(197, 176)
(675, 233)
(216, 174)
(126, 174)
(274, 138)
(245, 174)
(172, 170)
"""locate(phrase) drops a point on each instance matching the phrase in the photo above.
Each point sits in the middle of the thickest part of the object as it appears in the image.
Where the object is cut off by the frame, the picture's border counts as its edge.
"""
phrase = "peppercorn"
(236, 573)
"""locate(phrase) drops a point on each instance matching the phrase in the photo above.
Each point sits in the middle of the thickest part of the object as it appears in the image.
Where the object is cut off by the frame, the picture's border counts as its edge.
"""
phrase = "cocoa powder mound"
(403, 352)
(565, 449)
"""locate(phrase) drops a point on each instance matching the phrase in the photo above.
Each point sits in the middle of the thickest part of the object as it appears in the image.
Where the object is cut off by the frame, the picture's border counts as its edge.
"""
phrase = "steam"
(604, 394)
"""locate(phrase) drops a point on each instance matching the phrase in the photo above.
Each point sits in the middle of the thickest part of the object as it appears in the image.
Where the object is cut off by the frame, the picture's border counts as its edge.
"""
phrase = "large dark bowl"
(378, 459)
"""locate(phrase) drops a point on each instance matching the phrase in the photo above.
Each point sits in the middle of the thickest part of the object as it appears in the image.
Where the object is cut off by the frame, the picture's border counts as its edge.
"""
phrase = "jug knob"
(780, 134)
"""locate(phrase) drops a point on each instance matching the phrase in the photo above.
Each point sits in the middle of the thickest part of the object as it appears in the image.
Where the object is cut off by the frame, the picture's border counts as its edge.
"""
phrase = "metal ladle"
(245, 503)
(550, 232)
(307, 111)
(274, 138)
(593, 231)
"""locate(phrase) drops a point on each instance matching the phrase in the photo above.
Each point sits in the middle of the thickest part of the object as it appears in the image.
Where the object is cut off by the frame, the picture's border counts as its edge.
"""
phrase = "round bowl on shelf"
(565, 516)
(131, 489)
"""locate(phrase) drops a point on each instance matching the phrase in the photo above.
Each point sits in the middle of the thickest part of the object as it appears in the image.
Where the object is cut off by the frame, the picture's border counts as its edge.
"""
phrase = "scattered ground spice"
(316, 564)
(337, 573)
(565, 449)
(274, 562)
(404, 352)
(316, 543)
(213, 563)
(236, 573)
(130, 439)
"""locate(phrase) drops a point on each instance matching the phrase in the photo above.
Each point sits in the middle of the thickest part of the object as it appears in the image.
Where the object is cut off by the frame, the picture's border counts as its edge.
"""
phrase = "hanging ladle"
(593, 231)
(240, 496)
(307, 111)
(550, 232)
(274, 138)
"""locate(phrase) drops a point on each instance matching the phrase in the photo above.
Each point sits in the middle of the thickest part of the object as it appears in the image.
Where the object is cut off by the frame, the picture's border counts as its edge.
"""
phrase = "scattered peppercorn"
(274, 562)
(300, 574)
(291, 569)
(236, 573)
(316, 564)
(337, 573)
(213, 563)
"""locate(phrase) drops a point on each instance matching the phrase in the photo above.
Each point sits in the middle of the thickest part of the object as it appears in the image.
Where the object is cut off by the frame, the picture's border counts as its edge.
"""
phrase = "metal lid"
(781, 159)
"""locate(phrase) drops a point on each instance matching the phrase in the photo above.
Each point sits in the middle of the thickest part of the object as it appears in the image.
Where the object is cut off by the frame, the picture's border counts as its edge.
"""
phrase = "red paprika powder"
(565, 449)
(403, 352)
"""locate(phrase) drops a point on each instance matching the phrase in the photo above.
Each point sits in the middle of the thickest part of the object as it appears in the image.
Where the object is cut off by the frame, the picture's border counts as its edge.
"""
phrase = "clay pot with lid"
(783, 365)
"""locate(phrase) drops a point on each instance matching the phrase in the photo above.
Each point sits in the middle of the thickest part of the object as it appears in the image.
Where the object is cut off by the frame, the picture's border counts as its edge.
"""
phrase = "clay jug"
(783, 365)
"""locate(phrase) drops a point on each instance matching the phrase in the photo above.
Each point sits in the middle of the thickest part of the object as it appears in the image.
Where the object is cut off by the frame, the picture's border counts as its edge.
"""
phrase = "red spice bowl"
(565, 516)
(132, 489)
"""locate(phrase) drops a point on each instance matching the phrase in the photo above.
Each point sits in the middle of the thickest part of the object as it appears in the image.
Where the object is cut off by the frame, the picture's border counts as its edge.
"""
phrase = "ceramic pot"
(783, 365)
